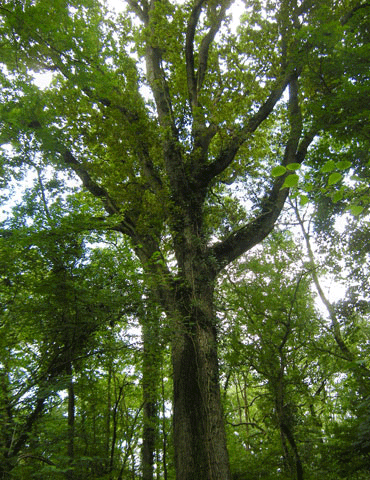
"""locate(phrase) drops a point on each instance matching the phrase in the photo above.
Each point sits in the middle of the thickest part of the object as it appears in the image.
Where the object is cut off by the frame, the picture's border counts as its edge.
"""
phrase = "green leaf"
(337, 196)
(278, 171)
(291, 181)
(308, 187)
(293, 166)
(303, 200)
(334, 178)
(356, 209)
(328, 167)
(344, 165)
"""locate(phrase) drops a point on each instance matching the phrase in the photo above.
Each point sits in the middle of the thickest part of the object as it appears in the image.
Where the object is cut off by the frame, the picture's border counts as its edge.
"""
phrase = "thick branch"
(207, 41)
(141, 11)
(90, 184)
(126, 225)
(195, 81)
(228, 153)
(202, 134)
(189, 51)
(254, 232)
(159, 85)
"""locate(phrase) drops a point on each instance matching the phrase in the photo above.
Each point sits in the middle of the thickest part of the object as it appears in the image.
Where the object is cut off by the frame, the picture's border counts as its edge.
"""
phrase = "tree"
(160, 149)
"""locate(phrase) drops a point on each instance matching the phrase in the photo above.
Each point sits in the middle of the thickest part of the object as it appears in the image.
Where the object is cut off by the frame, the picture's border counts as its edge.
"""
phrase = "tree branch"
(159, 85)
(88, 183)
(189, 51)
(335, 326)
(32, 418)
(141, 11)
(254, 232)
(36, 457)
(207, 41)
(172, 153)
(127, 226)
(202, 134)
(228, 153)
(345, 18)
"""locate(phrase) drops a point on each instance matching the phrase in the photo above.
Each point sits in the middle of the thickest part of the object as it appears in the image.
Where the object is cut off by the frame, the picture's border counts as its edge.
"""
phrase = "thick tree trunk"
(199, 435)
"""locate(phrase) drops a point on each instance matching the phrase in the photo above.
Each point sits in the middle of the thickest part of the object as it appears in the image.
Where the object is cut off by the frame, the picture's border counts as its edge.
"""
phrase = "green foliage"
(281, 370)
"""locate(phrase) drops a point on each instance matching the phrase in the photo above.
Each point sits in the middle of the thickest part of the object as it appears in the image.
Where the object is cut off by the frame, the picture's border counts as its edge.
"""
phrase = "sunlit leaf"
(278, 171)
(334, 178)
(291, 181)
(328, 167)
(344, 164)
(356, 209)
(293, 166)
(337, 196)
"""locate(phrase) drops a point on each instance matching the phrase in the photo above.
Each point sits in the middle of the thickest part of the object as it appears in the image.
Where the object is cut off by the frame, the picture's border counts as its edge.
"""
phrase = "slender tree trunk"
(115, 426)
(164, 433)
(297, 459)
(7, 424)
(150, 383)
(71, 421)
(108, 421)
(199, 435)
(149, 436)
(244, 393)
(293, 459)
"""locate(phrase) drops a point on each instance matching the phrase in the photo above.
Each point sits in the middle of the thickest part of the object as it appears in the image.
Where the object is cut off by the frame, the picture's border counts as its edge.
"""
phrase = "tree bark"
(199, 436)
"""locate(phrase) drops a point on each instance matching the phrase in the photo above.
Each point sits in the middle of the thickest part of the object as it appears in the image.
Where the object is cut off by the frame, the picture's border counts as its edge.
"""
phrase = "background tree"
(60, 298)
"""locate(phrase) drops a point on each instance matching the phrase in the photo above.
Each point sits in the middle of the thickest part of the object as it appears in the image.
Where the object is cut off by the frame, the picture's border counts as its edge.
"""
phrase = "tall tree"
(158, 111)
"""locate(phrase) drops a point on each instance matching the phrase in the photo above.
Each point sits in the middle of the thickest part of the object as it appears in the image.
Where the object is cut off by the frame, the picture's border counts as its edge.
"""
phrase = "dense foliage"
(141, 332)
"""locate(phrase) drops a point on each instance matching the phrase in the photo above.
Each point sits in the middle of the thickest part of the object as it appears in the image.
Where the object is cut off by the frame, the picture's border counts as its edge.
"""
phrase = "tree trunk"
(286, 422)
(108, 421)
(199, 435)
(71, 421)
(150, 383)
(164, 434)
